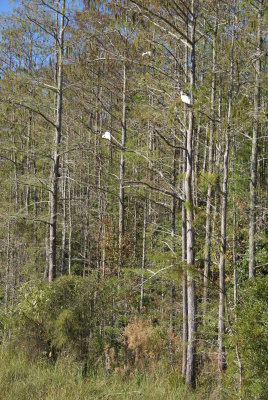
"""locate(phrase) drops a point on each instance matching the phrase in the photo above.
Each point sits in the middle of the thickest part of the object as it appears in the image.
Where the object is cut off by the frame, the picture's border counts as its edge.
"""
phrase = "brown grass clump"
(144, 341)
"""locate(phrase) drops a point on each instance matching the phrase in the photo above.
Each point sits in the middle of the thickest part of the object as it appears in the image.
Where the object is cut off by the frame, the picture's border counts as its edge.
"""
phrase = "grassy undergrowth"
(24, 380)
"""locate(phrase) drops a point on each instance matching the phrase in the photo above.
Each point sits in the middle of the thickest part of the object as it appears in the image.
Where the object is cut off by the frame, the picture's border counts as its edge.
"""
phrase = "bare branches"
(149, 13)
(30, 108)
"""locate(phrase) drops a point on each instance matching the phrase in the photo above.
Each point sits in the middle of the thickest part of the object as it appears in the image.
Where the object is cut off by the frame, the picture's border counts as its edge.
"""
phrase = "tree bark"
(224, 199)
(239, 362)
(207, 260)
(254, 149)
(63, 234)
(184, 295)
(143, 254)
(184, 237)
(191, 359)
(121, 175)
(56, 158)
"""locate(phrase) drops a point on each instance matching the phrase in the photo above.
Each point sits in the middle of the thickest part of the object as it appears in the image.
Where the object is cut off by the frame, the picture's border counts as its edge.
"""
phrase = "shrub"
(146, 341)
(252, 336)
(72, 315)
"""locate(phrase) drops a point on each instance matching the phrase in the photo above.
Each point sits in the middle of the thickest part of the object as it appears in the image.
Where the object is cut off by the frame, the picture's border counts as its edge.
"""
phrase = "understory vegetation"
(82, 338)
(40, 380)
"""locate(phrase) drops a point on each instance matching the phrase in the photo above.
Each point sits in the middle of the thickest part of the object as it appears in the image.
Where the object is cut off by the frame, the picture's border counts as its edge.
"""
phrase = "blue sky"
(6, 5)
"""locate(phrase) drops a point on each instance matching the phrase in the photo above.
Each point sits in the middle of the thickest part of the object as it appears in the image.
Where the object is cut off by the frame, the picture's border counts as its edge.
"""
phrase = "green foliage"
(205, 179)
(252, 336)
(24, 380)
(188, 205)
(64, 316)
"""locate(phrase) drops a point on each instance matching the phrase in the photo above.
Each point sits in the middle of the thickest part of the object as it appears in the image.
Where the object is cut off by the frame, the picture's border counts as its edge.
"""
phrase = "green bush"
(252, 336)
(71, 315)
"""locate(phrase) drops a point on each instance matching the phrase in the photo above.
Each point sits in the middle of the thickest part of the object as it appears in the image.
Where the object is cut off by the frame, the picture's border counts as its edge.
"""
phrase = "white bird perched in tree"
(107, 135)
(185, 98)
(147, 53)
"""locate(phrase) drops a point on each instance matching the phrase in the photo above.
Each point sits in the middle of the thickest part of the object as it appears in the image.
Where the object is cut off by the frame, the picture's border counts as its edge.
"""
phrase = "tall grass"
(21, 379)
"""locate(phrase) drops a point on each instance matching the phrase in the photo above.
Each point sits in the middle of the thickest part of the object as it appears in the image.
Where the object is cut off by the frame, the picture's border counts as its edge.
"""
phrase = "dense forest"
(134, 207)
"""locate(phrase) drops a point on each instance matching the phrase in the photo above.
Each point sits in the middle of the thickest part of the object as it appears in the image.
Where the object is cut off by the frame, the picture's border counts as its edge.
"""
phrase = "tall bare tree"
(56, 149)
(188, 187)
(212, 129)
(224, 202)
(254, 147)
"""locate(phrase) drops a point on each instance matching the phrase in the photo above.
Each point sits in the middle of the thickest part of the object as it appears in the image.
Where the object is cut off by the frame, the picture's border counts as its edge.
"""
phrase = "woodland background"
(134, 267)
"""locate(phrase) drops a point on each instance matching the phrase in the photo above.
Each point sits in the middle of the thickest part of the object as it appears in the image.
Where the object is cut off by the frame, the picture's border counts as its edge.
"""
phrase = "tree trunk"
(173, 250)
(221, 325)
(143, 254)
(210, 169)
(121, 175)
(55, 156)
(184, 295)
(224, 199)
(184, 238)
(70, 223)
(63, 234)
(7, 271)
(239, 362)
(254, 150)
(191, 361)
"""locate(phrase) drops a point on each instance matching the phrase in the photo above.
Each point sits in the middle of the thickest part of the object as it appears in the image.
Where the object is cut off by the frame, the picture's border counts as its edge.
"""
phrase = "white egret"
(107, 135)
(147, 53)
(185, 98)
